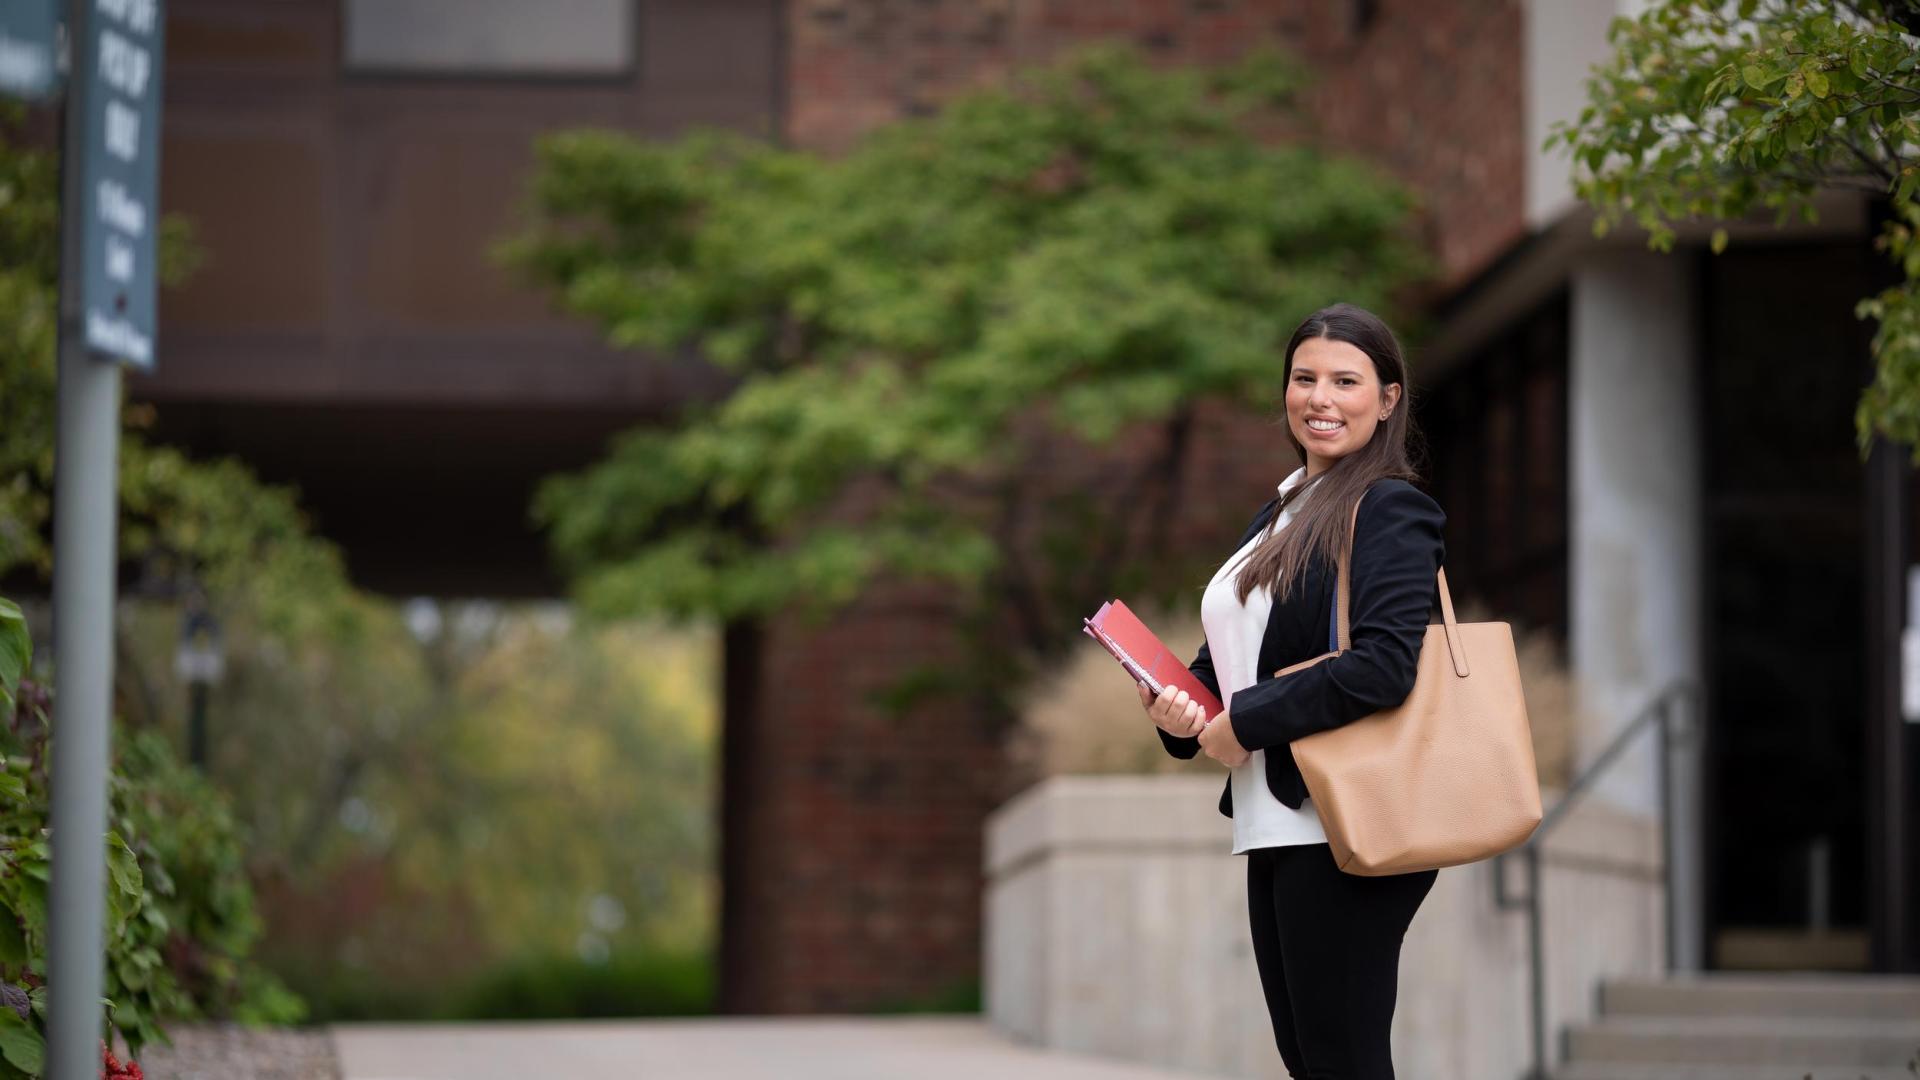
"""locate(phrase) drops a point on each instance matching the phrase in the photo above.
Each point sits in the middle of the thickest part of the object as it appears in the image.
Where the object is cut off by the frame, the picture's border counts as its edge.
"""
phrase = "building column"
(1636, 513)
(1893, 604)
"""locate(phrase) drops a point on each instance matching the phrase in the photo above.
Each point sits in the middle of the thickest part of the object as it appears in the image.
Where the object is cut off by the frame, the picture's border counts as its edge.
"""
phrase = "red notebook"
(1150, 663)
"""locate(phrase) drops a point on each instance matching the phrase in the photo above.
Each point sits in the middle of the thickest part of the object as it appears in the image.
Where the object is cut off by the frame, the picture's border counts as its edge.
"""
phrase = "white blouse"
(1233, 633)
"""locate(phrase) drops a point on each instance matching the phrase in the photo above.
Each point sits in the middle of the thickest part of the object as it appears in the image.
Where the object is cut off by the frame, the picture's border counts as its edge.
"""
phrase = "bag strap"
(1456, 645)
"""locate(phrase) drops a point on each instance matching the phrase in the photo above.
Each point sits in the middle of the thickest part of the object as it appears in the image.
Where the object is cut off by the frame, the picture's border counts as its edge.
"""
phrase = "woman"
(1327, 943)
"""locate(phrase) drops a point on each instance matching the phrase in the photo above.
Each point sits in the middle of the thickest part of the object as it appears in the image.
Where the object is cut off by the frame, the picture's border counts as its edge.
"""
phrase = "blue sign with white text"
(120, 179)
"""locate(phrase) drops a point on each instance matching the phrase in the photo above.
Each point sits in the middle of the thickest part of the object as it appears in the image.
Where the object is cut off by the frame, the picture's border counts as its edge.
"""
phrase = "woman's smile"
(1335, 400)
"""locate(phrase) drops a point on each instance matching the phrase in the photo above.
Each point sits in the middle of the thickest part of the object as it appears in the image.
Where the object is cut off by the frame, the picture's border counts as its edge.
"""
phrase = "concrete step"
(1616, 1071)
(1860, 997)
(1714, 1040)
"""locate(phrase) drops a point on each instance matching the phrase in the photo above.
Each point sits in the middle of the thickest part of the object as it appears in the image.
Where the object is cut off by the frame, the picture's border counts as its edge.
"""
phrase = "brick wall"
(853, 838)
(1429, 89)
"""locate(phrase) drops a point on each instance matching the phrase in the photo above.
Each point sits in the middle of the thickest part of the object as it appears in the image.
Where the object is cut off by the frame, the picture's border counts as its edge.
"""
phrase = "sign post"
(109, 175)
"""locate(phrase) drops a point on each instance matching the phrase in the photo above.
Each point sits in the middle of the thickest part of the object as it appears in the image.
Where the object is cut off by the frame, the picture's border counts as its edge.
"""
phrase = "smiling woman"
(1335, 400)
(1327, 943)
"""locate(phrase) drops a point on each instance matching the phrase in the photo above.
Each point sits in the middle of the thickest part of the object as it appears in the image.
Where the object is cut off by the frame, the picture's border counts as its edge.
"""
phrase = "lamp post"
(200, 661)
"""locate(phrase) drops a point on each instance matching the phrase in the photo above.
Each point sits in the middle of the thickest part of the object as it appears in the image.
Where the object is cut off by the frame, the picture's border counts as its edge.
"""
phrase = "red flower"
(115, 1069)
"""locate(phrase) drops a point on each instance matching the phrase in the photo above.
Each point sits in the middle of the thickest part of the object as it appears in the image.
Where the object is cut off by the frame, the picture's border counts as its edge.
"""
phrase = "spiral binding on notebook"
(1134, 667)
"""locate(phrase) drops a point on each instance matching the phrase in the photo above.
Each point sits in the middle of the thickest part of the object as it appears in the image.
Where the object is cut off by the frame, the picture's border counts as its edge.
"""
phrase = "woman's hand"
(1220, 745)
(1174, 711)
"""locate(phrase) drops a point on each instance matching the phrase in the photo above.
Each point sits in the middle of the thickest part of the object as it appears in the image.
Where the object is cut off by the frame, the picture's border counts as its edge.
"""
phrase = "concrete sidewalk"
(864, 1048)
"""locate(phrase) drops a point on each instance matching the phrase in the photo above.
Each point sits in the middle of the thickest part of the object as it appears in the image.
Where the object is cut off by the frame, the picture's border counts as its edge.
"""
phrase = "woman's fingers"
(1172, 709)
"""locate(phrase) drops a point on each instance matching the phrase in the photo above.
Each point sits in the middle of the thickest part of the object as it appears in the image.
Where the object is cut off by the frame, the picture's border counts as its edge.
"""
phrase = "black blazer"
(1397, 548)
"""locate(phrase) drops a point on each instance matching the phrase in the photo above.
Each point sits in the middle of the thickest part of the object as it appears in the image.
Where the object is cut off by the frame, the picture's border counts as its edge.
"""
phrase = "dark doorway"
(1786, 786)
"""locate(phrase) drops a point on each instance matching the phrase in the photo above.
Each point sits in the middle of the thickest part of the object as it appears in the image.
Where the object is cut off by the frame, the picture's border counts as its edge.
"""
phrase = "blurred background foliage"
(1075, 261)
(436, 807)
(486, 804)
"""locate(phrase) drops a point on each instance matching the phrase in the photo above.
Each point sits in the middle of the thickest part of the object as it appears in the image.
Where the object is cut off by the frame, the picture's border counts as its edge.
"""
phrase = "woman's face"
(1335, 400)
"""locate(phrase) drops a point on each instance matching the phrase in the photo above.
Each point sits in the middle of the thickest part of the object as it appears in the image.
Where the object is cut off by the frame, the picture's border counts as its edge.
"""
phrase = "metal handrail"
(1661, 714)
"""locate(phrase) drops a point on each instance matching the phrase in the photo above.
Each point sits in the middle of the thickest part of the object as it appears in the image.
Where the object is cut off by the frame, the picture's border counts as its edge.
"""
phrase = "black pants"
(1328, 947)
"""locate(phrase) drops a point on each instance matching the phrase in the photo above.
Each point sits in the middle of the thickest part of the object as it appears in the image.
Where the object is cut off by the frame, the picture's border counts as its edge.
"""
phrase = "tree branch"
(1912, 95)
(1867, 159)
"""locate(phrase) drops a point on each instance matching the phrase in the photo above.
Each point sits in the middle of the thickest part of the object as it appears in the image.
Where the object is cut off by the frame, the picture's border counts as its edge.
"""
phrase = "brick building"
(857, 878)
(350, 335)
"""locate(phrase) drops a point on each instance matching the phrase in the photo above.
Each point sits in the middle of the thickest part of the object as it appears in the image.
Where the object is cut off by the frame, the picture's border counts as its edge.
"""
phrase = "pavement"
(863, 1048)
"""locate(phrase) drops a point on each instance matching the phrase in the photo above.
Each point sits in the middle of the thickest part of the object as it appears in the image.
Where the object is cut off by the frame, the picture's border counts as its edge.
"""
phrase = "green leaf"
(33, 910)
(20, 1044)
(1758, 77)
(124, 867)
(132, 976)
(1798, 134)
(13, 943)
(1909, 180)
(1818, 85)
(1719, 242)
(16, 649)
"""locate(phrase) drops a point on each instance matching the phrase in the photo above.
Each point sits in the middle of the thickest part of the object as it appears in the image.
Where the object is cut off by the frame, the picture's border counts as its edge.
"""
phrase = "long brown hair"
(1321, 525)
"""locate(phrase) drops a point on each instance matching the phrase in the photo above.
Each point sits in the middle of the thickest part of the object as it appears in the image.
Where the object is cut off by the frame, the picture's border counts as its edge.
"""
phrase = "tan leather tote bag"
(1447, 777)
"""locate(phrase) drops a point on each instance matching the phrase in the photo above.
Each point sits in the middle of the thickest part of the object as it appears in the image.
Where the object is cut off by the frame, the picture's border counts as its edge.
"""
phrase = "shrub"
(180, 917)
(657, 984)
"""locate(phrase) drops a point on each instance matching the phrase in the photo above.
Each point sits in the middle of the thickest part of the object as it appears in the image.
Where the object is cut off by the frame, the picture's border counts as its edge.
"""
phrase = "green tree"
(1079, 259)
(240, 538)
(1715, 109)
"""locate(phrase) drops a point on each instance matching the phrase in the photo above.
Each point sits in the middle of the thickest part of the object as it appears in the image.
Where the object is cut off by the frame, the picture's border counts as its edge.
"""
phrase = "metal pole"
(85, 480)
(1663, 772)
(1538, 964)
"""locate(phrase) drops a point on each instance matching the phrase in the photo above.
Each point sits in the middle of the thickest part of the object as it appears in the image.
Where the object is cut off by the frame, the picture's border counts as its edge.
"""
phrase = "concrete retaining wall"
(1116, 924)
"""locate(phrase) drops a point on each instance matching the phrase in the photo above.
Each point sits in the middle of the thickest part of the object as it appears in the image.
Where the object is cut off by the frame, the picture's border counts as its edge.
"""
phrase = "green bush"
(564, 987)
(556, 987)
(180, 917)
